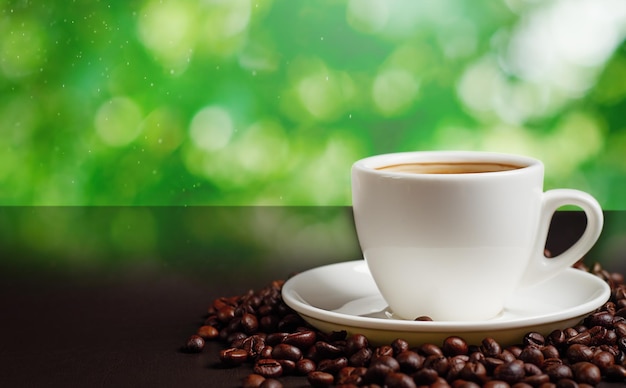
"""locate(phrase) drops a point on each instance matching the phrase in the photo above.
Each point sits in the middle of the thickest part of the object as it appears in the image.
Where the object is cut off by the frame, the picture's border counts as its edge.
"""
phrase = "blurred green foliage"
(260, 102)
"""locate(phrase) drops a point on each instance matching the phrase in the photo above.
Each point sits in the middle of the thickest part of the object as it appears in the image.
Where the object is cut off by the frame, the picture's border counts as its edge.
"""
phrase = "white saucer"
(344, 296)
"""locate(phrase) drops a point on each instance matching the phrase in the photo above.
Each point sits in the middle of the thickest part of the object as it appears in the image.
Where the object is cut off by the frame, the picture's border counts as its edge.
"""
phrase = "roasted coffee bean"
(271, 383)
(409, 361)
(249, 323)
(491, 363)
(558, 372)
(615, 373)
(533, 355)
(600, 318)
(506, 356)
(388, 361)
(583, 338)
(361, 357)
(332, 365)
(399, 380)
(453, 346)
(398, 346)
(490, 347)
(425, 376)
(274, 339)
(578, 352)
(510, 372)
(497, 384)
(233, 356)
(269, 323)
(194, 344)
(549, 351)
(429, 349)
(460, 383)
(384, 350)
(266, 352)
(533, 339)
(514, 350)
(532, 369)
(254, 345)
(301, 339)
(376, 374)
(557, 337)
(320, 379)
(305, 366)
(286, 352)
(438, 363)
(252, 381)
(603, 360)
(226, 314)
(355, 343)
(208, 332)
(289, 366)
(587, 373)
(424, 318)
(474, 371)
(536, 380)
(326, 350)
(268, 368)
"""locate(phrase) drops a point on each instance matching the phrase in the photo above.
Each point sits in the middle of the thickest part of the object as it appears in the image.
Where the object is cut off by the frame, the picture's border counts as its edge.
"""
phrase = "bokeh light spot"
(211, 128)
(367, 16)
(394, 90)
(118, 121)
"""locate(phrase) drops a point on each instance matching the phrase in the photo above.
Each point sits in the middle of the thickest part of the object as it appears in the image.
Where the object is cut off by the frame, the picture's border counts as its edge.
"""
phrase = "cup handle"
(541, 268)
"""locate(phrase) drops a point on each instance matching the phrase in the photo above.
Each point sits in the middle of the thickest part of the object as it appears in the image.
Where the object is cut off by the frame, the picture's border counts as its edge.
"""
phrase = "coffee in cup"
(452, 234)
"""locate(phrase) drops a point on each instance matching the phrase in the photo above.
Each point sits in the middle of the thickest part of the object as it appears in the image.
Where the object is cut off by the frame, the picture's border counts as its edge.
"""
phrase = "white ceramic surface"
(343, 296)
(466, 240)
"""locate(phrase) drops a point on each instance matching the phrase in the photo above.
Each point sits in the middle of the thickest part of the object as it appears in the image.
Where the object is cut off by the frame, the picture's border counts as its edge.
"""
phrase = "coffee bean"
(286, 352)
(399, 345)
(332, 365)
(271, 383)
(578, 352)
(302, 339)
(424, 318)
(510, 372)
(268, 368)
(357, 342)
(252, 381)
(425, 376)
(320, 379)
(208, 332)
(438, 363)
(558, 372)
(385, 350)
(233, 356)
(399, 380)
(194, 344)
(603, 360)
(453, 346)
(587, 373)
(534, 339)
(361, 357)
(326, 350)
(305, 366)
(533, 355)
(490, 347)
(474, 371)
(430, 350)
(615, 373)
(409, 361)
(249, 323)
(497, 384)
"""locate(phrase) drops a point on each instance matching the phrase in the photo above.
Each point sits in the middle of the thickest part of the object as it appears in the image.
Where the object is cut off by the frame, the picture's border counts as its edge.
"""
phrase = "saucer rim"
(297, 303)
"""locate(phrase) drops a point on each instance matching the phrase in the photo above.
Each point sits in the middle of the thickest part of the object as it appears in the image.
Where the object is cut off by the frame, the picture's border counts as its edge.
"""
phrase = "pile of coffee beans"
(259, 330)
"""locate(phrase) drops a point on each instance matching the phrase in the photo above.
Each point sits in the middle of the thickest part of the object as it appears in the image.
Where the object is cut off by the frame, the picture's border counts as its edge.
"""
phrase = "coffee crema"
(448, 167)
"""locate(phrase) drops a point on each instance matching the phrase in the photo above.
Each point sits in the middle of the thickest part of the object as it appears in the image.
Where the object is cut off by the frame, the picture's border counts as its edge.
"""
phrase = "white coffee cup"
(452, 242)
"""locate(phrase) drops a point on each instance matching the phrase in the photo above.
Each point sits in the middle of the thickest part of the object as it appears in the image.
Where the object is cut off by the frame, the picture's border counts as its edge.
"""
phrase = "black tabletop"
(80, 310)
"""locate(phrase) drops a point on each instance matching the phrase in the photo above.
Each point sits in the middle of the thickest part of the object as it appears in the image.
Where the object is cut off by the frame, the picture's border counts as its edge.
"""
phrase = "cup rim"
(371, 163)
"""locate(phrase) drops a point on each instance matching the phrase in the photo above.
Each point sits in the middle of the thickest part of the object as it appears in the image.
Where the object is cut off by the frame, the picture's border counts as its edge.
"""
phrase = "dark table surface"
(73, 316)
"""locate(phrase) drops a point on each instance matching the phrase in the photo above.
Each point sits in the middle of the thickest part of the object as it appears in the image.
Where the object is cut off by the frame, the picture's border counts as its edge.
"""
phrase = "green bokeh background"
(152, 130)
(246, 102)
